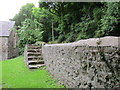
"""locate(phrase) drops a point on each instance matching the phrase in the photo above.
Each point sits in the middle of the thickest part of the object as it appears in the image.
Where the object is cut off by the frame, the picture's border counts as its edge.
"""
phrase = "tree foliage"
(24, 13)
(69, 21)
(110, 21)
(29, 32)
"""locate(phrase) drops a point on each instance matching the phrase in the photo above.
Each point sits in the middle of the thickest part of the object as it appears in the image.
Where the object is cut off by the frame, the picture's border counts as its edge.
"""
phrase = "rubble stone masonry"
(86, 63)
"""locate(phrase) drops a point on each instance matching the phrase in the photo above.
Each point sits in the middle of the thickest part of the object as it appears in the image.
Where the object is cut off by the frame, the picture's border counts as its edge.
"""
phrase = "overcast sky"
(8, 8)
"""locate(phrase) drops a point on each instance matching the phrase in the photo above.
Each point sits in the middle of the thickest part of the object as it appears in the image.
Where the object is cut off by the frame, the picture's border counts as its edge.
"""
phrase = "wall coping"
(103, 41)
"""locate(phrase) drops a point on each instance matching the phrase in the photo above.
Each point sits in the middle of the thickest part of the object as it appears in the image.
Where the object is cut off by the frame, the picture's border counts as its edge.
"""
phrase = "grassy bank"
(16, 75)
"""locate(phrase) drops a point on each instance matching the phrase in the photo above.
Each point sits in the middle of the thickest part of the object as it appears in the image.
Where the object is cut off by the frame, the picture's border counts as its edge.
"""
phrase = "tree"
(70, 21)
(24, 13)
(44, 17)
(30, 32)
(111, 20)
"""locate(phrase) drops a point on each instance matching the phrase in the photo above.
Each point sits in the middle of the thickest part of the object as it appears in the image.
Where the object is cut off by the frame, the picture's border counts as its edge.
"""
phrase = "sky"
(8, 8)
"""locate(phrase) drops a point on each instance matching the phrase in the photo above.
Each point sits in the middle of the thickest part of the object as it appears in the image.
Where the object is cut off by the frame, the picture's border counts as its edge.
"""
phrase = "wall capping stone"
(105, 41)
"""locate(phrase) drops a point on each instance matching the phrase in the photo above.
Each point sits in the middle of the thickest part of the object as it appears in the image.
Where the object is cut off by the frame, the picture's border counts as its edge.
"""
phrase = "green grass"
(0, 75)
(16, 75)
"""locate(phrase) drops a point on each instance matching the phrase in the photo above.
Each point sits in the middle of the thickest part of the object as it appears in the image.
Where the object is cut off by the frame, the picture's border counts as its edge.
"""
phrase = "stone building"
(8, 40)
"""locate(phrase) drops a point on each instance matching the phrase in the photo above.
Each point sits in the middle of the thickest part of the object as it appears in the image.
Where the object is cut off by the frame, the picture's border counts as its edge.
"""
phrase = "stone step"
(34, 47)
(36, 62)
(34, 54)
(35, 57)
(36, 66)
(34, 50)
(33, 66)
(41, 65)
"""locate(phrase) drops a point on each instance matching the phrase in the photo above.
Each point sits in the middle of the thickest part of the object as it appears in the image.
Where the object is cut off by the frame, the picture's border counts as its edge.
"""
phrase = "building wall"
(87, 63)
(12, 50)
(8, 48)
(3, 48)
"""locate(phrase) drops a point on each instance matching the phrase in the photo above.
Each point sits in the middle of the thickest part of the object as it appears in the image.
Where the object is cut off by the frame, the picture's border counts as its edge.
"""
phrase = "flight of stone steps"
(33, 56)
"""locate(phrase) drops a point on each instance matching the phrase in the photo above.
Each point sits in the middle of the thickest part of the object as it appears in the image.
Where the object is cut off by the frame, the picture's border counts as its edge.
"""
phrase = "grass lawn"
(16, 75)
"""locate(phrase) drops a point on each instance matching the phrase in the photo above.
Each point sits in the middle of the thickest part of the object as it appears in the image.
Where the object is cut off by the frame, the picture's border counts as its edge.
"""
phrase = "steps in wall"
(33, 56)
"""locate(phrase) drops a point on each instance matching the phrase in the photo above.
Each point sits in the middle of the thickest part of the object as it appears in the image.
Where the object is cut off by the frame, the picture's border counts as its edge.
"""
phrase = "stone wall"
(3, 48)
(8, 47)
(12, 50)
(87, 63)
